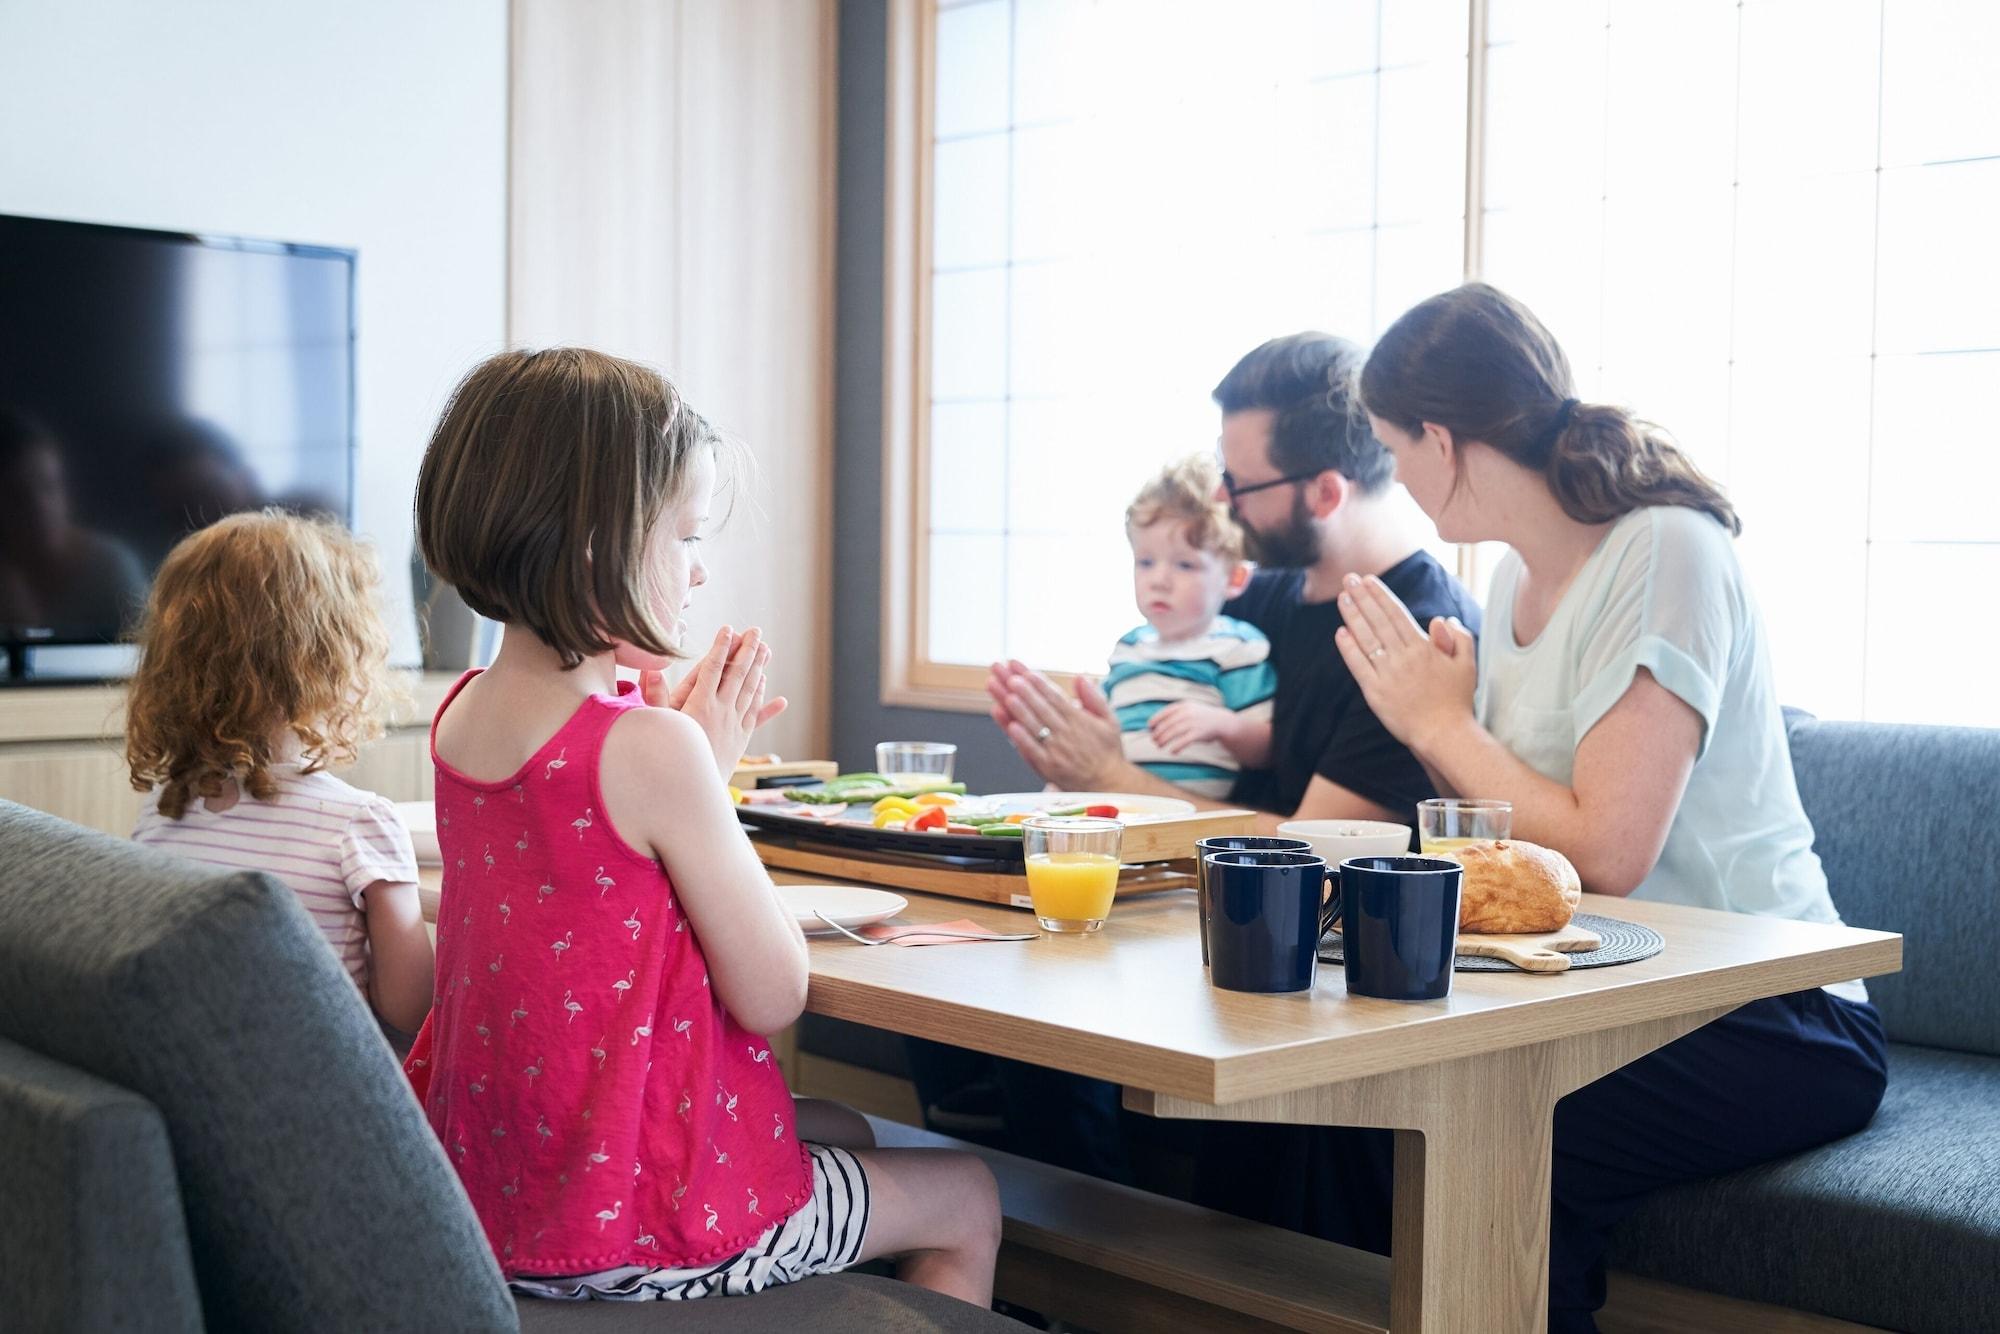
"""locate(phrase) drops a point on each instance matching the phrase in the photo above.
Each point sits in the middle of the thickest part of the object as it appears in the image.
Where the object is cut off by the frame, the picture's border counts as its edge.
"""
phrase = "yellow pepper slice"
(902, 805)
(937, 799)
(883, 819)
(735, 795)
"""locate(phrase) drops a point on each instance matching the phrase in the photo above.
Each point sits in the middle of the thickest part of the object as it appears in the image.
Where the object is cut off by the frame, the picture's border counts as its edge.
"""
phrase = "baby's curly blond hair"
(260, 624)
(1184, 492)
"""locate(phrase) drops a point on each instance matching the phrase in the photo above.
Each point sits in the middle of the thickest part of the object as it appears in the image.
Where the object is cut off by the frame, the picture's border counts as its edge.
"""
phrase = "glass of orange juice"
(1446, 824)
(1072, 870)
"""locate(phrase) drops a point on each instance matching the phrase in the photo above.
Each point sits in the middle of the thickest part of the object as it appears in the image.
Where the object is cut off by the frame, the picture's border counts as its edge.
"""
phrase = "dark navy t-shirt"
(1320, 724)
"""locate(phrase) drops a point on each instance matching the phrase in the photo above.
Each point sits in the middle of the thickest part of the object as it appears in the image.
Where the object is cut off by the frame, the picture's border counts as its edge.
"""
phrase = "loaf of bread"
(1515, 888)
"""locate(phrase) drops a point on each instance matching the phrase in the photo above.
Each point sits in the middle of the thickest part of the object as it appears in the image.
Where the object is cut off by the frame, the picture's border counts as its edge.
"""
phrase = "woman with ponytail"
(1621, 698)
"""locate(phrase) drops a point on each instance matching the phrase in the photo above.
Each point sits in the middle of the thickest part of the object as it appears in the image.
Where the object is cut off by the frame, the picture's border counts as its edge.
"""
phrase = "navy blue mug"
(1265, 919)
(1231, 843)
(1399, 925)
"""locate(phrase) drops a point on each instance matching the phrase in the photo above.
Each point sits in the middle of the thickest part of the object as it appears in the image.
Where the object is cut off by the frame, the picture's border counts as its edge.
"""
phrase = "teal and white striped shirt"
(1229, 666)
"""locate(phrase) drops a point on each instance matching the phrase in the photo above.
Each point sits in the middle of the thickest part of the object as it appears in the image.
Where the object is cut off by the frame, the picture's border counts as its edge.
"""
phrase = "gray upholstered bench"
(201, 1127)
(1898, 1226)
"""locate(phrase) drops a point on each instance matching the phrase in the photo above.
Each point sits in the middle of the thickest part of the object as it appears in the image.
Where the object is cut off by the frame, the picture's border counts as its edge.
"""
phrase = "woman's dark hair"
(1478, 363)
(1307, 381)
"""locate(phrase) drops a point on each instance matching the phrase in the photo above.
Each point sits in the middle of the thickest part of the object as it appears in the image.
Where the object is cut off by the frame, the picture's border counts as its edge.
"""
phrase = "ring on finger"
(1378, 653)
(1042, 734)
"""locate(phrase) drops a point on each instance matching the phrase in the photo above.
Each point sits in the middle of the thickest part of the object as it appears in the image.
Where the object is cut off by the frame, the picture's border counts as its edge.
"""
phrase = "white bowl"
(1337, 840)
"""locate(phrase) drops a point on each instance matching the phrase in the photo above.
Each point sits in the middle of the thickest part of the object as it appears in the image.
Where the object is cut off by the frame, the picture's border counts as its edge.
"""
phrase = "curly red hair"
(257, 625)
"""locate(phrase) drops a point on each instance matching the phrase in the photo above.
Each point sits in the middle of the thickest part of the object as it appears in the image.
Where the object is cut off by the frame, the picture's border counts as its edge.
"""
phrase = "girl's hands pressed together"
(1419, 684)
(724, 694)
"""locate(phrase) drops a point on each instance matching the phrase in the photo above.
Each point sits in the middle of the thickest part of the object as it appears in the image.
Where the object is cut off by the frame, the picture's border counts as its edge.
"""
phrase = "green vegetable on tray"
(1002, 830)
(846, 788)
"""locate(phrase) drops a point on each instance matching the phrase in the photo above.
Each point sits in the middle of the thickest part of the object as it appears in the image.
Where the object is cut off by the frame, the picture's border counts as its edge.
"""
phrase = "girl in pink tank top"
(610, 950)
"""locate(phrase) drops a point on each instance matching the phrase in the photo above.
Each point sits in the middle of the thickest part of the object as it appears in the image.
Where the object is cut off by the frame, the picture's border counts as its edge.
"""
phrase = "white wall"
(673, 202)
(373, 124)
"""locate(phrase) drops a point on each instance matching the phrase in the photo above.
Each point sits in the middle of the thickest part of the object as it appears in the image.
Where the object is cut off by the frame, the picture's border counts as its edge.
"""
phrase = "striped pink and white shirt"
(325, 839)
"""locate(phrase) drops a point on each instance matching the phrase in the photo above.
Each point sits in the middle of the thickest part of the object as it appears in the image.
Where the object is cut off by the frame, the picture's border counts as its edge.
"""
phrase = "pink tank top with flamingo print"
(600, 1106)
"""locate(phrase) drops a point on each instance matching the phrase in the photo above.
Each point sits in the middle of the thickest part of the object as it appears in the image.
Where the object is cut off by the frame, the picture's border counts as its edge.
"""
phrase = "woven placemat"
(1624, 942)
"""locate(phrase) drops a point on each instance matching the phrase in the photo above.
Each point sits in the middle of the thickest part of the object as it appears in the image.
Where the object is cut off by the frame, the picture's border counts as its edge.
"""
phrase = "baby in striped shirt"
(1191, 687)
(261, 657)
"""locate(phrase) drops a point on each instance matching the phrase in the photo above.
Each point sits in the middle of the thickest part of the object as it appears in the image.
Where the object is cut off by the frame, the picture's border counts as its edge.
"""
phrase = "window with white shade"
(1764, 224)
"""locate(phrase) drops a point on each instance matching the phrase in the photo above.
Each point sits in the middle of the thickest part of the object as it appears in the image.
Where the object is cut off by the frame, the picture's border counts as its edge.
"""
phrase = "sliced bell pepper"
(902, 805)
(1102, 812)
(936, 799)
(884, 819)
(932, 817)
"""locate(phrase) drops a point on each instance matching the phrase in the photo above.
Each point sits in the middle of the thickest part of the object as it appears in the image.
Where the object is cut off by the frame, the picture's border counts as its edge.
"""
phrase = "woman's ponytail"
(1603, 464)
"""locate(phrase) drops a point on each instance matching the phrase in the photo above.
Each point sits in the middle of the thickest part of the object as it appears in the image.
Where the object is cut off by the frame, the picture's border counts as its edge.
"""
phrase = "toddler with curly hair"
(262, 654)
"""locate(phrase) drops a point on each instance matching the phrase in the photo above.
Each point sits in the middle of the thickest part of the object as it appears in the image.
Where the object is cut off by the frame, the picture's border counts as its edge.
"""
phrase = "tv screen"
(151, 383)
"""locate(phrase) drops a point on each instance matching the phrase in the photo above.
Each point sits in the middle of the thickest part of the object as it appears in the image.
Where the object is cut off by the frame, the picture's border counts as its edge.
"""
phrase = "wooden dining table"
(1468, 1084)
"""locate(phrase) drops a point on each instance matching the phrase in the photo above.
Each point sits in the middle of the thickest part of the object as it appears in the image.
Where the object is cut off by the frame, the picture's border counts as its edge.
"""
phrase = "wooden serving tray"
(1158, 855)
(950, 876)
(1156, 839)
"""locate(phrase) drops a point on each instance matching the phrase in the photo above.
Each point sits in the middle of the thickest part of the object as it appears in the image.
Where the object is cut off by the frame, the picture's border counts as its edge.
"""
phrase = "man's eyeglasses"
(1237, 492)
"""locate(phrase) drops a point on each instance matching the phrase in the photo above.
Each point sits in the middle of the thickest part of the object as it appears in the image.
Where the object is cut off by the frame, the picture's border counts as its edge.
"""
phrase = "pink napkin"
(963, 931)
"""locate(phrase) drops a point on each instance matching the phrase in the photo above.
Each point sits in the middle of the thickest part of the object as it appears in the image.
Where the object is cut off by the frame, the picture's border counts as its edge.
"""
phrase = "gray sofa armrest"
(92, 1236)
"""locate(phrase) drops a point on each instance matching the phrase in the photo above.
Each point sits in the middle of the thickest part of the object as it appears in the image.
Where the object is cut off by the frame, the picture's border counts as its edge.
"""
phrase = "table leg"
(1470, 1237)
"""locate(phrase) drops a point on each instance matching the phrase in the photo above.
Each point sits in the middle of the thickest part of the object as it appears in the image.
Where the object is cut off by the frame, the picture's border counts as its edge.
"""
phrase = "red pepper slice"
(1102, 812)
(933, 817)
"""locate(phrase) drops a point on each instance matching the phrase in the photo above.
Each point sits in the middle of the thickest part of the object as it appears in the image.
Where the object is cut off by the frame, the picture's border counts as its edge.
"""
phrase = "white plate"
(1133, 807)
(849, 905)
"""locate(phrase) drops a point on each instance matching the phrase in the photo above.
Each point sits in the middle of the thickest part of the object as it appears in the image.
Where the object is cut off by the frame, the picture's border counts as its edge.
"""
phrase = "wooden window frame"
(909, 677)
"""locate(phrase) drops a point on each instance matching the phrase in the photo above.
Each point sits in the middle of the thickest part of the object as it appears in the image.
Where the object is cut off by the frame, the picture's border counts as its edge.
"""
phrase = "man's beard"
(1293, 546)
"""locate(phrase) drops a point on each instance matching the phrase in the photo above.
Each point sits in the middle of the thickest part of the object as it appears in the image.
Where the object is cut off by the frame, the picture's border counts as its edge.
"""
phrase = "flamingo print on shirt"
(631, 923)
(681, 1026)
(626, 985)
(598, 1157)
(559, 946)
(575, 1008)
(599, 1052)
(607, 1215)
(713, 1224)
(549, 770)
(582, 823)
(603, 882)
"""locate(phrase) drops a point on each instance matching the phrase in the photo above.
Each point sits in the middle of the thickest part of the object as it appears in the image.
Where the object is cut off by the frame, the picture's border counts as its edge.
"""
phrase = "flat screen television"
(151, 383)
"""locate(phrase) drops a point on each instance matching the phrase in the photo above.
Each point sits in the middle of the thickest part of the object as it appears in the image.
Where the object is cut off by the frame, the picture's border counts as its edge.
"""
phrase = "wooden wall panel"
(672, 201)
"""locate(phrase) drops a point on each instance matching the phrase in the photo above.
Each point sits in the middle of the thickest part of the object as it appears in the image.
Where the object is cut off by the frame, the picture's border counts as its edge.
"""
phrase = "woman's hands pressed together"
(1420, 684)
(724, 694)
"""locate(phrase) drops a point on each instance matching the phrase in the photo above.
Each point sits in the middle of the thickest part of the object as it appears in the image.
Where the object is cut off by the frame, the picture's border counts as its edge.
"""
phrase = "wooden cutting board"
(1547, 952)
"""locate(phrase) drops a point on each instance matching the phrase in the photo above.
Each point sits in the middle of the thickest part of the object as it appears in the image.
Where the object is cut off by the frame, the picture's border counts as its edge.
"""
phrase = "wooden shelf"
(97, 712)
